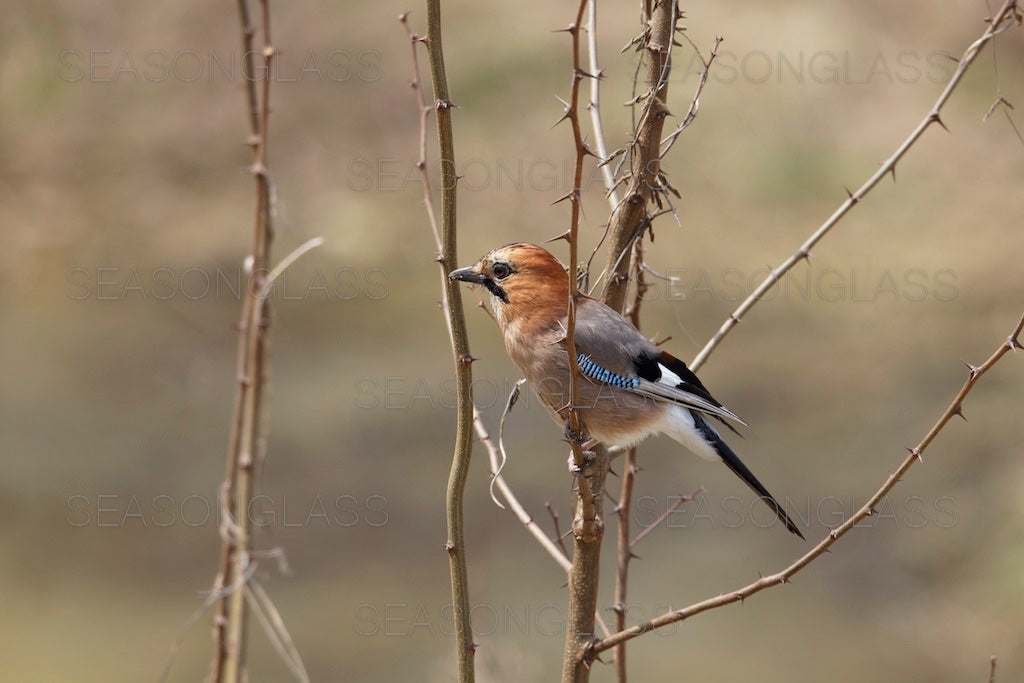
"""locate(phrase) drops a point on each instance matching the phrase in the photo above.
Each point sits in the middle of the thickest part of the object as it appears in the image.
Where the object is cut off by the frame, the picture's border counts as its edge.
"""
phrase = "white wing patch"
(667, 389)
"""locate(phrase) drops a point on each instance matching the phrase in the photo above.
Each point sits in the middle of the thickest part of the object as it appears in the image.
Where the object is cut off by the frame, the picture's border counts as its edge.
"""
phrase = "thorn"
(916, 453)
(449, 546)
(785, 579)
(959, 410)
(472, 647)
(572, 194)
(466, 359)
(853, 199)
(444, 104)
(973, 370)
(564, 236)
(1013, 343)
(833, 534)
(634, 556)
(571, 29)
(403, 17)
(934, 117)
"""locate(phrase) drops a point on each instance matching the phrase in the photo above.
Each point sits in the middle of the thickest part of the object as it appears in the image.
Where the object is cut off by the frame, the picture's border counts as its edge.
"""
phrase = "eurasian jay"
(629, 389)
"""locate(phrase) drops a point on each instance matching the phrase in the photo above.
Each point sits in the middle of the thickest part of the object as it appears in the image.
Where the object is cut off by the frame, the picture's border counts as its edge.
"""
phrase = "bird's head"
(522, 279)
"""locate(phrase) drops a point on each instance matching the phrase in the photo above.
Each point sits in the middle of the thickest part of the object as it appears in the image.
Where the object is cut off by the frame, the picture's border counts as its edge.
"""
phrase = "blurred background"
(126, 204)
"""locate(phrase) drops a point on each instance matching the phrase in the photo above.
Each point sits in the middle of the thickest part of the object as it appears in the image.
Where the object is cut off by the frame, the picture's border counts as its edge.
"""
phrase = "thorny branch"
(630, 468)
(645, 179)
(592, 467)
(1012, 342)
(1005, 18)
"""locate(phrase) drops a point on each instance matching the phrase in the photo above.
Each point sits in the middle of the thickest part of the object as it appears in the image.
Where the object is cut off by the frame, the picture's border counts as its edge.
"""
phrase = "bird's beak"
(468, 274)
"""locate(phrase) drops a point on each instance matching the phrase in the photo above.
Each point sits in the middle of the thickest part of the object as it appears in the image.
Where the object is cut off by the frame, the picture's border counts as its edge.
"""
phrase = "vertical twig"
(588, 525)
(452, 301)
(631, 215)
(625, 544)
(248, 430)
(625, 554)
(595, 106)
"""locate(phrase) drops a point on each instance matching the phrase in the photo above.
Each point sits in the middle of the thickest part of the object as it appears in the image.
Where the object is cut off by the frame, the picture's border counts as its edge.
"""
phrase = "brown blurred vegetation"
(125, 202)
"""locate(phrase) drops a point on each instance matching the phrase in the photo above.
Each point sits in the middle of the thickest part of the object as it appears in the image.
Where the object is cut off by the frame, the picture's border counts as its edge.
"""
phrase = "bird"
(628, 389)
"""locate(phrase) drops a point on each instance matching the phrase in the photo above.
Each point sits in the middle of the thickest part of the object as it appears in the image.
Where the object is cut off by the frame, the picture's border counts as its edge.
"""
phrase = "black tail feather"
(734, 463)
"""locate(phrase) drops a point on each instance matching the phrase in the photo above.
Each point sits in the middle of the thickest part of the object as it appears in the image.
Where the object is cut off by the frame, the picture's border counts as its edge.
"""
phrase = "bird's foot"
(587, 444)
(581, 437)
(589, 456)
(577, 470)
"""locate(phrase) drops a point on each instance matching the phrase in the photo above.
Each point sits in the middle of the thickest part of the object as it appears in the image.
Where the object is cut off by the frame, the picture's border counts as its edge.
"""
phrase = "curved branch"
(955, 408)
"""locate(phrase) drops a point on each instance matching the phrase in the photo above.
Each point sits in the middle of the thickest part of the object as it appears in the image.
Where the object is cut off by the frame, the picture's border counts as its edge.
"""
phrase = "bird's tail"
(734, 463)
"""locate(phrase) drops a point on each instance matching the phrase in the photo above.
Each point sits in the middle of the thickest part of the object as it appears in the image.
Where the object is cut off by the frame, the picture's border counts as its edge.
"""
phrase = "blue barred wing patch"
(596, 372)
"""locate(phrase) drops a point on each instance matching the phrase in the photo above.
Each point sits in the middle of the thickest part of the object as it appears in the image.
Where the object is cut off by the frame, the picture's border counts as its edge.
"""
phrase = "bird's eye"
(501, 270)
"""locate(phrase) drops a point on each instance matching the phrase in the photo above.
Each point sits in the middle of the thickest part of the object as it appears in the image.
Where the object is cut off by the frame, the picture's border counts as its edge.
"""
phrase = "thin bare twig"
(1012, 342)
(513, 396)
(625, 502)
(592, 466)
(273, 625)
(558, 555)
(456, 322)
(682, 500)
(625, 554)
(247, 428)
(1003, 20)
(559, 537)
(595, 106)
(556, 549)
(691, 113)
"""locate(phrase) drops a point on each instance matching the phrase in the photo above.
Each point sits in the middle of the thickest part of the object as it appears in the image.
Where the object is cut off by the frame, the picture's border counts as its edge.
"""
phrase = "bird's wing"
(610, 350)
